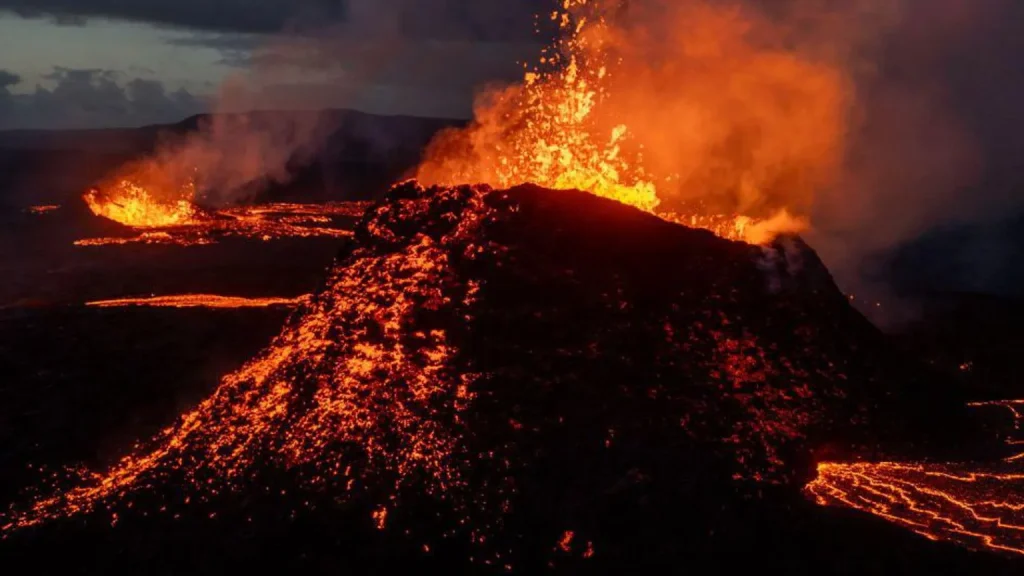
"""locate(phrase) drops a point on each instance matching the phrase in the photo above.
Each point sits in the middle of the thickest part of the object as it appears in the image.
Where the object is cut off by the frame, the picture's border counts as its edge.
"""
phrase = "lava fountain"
(695, 119)
(143, 195)
(160, 212)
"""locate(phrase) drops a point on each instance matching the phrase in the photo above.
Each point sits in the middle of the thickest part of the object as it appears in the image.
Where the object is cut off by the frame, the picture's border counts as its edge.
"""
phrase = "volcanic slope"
(518, 377)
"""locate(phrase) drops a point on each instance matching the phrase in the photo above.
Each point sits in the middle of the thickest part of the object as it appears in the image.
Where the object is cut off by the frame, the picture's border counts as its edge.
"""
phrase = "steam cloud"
(419, 57)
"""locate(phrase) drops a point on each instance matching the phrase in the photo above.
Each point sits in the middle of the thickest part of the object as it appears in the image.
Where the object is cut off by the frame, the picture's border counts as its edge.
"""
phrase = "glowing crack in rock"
(980, 506)
(198, 301)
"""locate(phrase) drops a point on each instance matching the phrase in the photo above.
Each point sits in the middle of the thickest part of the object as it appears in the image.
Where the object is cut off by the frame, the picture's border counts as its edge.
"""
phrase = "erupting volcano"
(482, 354)
(711, 130)
(577, 321)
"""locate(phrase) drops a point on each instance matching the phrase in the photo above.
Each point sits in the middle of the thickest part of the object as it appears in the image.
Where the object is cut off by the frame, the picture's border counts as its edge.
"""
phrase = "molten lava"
(476, 355)
(265, 222)
(977, 505)
(696, 119)
(156, 198)
(198, 301)
(131, 204)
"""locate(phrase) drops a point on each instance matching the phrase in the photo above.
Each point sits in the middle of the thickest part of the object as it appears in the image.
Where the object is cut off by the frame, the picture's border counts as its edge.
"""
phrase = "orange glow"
(264, 222)
(696, 118)
(156, 198)
(976, 505)
(44, 209)
(144, 195)
(366, 386)
(199, 301)
(979, 507)
(251, 416)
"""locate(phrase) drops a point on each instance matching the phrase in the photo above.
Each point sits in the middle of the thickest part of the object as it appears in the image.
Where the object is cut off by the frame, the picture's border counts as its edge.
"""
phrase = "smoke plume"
(867, 120)
(382, 56)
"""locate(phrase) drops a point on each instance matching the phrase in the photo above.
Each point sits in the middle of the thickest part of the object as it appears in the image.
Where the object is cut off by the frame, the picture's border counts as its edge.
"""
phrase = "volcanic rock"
(521, 376)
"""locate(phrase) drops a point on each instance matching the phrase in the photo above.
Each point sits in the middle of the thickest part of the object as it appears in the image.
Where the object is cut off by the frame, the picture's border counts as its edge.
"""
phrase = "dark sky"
(86, 63)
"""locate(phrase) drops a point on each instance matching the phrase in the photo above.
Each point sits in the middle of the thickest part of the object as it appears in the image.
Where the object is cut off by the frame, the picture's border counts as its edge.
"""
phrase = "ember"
(45, 209)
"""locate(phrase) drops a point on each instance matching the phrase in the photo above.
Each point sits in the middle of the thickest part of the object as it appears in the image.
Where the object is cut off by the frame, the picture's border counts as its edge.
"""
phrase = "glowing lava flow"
(415, 382)
(199, 301)
(251, 417)
(264, 222)
(975, 505)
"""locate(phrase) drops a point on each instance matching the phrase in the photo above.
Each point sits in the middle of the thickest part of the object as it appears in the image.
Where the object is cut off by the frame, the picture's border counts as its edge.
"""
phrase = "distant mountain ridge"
(360, 156)
(407, 129)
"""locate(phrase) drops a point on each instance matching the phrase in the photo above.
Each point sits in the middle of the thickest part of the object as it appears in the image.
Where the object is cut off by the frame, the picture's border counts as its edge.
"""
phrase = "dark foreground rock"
(526, 380)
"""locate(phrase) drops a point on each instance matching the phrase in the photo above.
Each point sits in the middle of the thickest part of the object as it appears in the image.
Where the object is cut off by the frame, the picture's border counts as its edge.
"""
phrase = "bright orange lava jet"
(664, 126)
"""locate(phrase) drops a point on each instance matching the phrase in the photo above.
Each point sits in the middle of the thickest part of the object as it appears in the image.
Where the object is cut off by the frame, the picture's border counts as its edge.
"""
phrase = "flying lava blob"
(484, 353)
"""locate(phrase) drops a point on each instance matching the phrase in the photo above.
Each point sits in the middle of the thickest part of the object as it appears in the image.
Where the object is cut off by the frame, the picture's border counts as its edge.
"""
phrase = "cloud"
(92, 99)
(419, 57)
(8, 79)
(229, 15)
(478, 20)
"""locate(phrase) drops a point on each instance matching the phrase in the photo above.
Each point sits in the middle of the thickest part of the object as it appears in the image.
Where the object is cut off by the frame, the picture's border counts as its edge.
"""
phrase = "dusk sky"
(86, 63)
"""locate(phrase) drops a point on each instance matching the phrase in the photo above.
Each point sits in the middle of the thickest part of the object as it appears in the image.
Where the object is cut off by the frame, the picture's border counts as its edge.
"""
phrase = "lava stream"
(199, 301)
(264, 222)
(978, 506)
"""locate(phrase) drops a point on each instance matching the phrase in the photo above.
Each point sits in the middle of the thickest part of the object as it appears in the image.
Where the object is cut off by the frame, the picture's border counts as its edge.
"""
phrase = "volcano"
(526, 377)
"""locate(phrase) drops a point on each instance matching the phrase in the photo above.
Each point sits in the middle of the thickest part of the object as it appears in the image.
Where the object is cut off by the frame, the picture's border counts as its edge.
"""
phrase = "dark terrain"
(83, 384)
